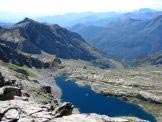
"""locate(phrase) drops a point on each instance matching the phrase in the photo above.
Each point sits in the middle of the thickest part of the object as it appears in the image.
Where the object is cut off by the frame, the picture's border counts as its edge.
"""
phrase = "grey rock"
(57, 60)
(46, 88)
(25, 94)
(35, 81)
(65, 109)
(8, 92)
(9, 82)
(1, 80)
(4, 81)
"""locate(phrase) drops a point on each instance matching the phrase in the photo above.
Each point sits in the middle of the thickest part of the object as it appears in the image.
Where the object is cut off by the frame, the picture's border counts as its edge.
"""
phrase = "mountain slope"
(36, 38)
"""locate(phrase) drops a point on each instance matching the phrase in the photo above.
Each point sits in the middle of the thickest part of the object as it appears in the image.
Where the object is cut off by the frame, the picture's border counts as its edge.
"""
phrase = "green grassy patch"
(20, 76)
(23, 70)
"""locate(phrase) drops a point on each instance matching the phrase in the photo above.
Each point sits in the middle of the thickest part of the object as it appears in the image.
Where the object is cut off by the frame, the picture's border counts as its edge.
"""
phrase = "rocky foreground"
(18, 102)
(35, 99)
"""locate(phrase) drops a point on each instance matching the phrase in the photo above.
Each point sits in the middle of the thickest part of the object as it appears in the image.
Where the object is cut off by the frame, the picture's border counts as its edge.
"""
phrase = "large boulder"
(46, 89)
(8, 92)
(1, 80)
(65, 109)
(9, 82)
(6, 81)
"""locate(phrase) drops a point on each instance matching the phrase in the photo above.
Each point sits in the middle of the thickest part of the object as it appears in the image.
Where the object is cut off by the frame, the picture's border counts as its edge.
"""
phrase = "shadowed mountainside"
(33, 37)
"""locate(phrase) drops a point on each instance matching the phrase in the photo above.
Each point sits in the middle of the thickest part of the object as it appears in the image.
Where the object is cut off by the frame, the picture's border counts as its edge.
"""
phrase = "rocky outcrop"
(6, 82)
(8, 92)
(46, 88)
(2, 82)
(9, 87)
(64, 110)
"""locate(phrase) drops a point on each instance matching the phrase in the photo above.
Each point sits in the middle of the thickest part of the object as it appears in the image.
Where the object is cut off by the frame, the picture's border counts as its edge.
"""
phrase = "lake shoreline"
(69, 82)
(125, 84)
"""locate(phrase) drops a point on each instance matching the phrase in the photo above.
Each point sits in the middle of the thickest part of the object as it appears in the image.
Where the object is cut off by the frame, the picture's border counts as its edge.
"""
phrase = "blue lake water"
(87, 101)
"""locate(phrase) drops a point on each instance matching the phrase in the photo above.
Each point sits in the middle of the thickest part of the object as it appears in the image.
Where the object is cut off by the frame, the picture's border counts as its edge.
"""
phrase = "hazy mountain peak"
(25, 22)
(144, 10)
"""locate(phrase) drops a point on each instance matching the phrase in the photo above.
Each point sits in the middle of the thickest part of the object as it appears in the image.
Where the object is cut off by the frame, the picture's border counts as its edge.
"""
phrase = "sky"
(36, 8)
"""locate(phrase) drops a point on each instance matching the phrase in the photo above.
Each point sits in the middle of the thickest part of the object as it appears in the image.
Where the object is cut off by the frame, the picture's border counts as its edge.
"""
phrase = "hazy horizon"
(15, 10)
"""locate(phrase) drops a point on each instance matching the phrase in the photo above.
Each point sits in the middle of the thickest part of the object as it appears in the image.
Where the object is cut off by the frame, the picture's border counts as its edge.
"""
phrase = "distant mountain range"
(93, 18)
(5, 25)
(71, 19)
(127, 37)
(33, 37)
